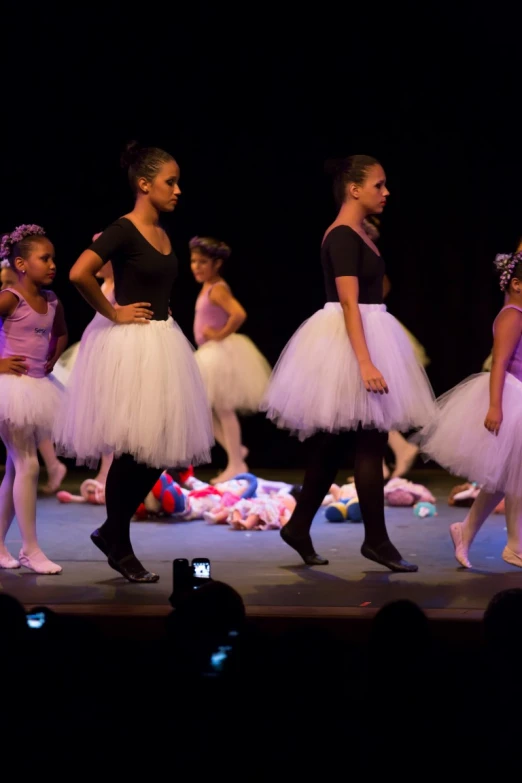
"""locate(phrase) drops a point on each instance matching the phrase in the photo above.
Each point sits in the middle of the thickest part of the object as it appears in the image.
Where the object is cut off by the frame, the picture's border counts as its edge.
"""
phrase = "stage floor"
(265, 572)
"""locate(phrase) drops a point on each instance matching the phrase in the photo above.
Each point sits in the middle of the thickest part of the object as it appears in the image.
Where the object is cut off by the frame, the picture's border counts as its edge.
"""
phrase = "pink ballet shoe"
(55, 479)
(511, 557)
(39, 563)
(7, 561)
(461, 551)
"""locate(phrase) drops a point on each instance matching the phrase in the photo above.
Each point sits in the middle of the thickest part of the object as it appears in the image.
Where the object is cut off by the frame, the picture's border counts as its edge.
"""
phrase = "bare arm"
(221, 296)
(59, 338)
(507, 334)
(348, 291)
(14, 365)
(82, 275)
(8, 303)
(386, 286)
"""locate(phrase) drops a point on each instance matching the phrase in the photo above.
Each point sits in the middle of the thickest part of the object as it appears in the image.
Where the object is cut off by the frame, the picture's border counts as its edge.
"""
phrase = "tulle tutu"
(418, 349)
(234, 372)
(457, 439)
(317, 385)
(30, 404)
(64, 366)
(135, 389)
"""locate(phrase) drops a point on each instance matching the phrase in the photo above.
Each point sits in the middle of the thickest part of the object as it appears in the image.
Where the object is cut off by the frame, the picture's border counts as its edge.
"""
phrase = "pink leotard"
(28, 333)
(515, 363)
(208, 314)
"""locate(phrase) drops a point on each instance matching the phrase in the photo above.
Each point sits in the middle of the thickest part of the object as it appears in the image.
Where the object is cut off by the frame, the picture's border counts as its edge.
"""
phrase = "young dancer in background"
(477, 432)
(32, 338)
(234, 372)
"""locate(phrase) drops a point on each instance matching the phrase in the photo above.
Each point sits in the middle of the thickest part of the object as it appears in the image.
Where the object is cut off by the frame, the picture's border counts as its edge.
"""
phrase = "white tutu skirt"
(64, 366)
(234, 372)
(457, 439)
(30, 404)
(135, 389)
(317, 385)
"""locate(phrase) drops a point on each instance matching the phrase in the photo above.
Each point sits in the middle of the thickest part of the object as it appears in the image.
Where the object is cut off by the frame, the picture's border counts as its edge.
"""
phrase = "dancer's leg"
(230, 431)
(56, 470)
(22, 451)
(7, 512)
(405, 453)
(106, 462)
(513, 551)
(369, 451)
(463, 533)
(128, 483)
(325, 452)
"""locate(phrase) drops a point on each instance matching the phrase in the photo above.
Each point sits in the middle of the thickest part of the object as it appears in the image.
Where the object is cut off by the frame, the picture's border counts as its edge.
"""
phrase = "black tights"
(326, 455)
(128, 484)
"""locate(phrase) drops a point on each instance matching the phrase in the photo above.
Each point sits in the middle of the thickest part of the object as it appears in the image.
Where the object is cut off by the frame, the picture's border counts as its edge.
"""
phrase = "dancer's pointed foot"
(7, 560)
(39, 563)
(304, 547)
(230, 472)
(461, 549)
(55, 477)
(385, 554)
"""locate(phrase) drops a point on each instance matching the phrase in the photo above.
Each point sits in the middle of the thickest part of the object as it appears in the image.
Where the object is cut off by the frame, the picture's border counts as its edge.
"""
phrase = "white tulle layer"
(135, 389)
(457, 439)
(64, 366)
(30, 404)
(317, 385)
(234, 372)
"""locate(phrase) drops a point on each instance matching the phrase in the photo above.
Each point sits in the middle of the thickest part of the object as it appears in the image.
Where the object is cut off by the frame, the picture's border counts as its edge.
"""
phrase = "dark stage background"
(251, 102)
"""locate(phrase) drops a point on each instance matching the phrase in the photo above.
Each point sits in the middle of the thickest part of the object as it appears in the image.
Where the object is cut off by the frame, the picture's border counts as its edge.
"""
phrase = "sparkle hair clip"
(505, 264)
(20, 232)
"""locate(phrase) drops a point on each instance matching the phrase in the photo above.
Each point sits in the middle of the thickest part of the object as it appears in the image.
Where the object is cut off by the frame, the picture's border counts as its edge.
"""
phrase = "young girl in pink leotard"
(477, 432)
(32, 337)
(234, 372)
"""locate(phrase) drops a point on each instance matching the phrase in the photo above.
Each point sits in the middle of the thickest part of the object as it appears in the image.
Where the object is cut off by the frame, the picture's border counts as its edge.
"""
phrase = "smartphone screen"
(200, 569)
(36, 620)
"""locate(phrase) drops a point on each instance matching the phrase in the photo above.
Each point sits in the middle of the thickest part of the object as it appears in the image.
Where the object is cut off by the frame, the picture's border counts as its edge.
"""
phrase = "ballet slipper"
(55, 478)
(461, 550)
(39, 563)
(8, 561)
(511, 557)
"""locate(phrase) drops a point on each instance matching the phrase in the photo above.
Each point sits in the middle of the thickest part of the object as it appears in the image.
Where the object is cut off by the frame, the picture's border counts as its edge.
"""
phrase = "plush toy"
(166, 498)
(401, 492)
(344, 504)
(463, 495)
(344, 511)
(424, 510)
(269, 512)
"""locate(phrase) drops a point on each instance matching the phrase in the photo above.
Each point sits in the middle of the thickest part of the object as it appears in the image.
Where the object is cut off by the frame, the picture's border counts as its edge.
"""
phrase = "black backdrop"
(251, 102)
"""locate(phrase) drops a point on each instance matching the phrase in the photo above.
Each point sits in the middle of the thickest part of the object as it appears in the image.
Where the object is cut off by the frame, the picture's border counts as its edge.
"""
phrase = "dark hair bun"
(130, 154)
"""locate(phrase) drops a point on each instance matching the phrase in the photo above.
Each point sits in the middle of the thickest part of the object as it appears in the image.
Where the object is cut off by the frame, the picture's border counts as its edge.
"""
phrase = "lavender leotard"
(515, 363)
(208, 314)
(28, 333)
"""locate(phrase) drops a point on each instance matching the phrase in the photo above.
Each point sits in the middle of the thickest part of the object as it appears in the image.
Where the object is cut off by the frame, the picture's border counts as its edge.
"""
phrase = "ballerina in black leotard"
(135, 389)
(349, 372)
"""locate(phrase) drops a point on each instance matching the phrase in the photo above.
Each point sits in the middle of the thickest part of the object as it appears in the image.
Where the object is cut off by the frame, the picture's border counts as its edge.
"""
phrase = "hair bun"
(130, 154)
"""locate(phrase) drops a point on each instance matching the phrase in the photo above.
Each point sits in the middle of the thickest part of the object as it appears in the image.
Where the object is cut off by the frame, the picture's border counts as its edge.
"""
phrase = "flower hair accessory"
(20, 232)
(505, 264)
(213, 247)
